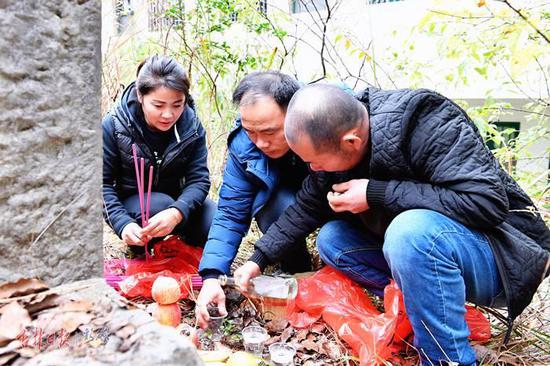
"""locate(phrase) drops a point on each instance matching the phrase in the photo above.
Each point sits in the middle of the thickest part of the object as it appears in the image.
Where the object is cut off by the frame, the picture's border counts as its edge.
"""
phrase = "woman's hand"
(163, 223)
(132, 234)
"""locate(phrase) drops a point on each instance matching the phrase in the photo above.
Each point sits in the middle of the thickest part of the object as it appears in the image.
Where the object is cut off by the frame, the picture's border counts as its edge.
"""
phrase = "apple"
(169, 314)
(166, 290)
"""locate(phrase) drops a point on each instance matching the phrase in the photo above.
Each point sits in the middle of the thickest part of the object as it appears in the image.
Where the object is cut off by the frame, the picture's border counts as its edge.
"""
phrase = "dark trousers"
(194, 229)
(297, 259)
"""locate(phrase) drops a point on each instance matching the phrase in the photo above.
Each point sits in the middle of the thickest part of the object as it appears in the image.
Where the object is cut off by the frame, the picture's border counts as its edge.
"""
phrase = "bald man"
(410, 192)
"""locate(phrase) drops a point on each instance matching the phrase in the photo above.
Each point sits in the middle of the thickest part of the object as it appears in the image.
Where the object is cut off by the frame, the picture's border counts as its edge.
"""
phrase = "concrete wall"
(50, 142)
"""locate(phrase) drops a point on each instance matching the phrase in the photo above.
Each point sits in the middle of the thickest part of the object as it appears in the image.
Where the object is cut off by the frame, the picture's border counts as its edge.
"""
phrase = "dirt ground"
(529, 345)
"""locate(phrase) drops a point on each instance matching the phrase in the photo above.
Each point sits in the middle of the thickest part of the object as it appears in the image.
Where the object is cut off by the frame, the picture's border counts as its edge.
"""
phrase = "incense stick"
(141, 193)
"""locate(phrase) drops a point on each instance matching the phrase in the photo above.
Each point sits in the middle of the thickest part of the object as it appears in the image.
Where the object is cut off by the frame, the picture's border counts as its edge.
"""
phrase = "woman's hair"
(162, 71)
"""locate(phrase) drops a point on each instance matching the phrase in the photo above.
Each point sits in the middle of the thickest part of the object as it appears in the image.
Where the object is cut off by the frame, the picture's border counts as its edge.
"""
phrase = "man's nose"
(262, 143)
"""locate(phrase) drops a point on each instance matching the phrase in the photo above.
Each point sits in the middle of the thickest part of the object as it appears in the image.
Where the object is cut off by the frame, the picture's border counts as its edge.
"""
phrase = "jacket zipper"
(134, 131)
(179, 147)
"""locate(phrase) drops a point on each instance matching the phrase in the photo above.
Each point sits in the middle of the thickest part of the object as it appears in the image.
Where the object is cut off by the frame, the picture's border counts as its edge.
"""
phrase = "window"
(262, 6)
(300, 6)
(159, 20)
(509, 131)
(123, 12)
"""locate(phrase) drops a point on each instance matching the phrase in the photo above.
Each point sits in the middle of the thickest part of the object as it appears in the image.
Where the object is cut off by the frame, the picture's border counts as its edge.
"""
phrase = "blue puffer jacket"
(248, 181)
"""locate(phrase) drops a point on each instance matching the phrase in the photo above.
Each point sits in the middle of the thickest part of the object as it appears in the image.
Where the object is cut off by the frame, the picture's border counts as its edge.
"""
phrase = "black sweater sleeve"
(309, 211)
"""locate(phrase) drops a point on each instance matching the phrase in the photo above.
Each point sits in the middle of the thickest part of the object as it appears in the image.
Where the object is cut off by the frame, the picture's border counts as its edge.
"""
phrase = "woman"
(156, 113)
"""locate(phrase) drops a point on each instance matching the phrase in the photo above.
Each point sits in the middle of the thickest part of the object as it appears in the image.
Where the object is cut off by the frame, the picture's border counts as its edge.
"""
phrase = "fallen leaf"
(489, 356)
(321, 344)
(42, 302)
(100, 321)
(303, 356)
(314, 363)
(286, 334)
(13, 320)
(12, 346)
(7, 358)
(117, 323)
(297, 346)
(126, 345)
(272, 340)
(126, 331)
(78, 306)
(301, 335)
(311, 337)
(54, 322)
(318, 328)
(28, 352)
(276, 326)
(310, 345)
(332, 350)
(22, 287)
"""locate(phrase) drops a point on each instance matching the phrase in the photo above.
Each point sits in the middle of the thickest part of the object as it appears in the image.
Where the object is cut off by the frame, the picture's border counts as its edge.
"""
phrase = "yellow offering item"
(242, 359)
(214, 356)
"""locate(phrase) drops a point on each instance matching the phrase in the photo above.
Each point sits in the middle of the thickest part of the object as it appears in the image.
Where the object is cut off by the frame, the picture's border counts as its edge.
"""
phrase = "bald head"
(324, 113)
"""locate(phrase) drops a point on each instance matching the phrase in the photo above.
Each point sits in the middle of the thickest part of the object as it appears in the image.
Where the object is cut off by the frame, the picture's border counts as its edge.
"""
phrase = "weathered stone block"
(50, 141)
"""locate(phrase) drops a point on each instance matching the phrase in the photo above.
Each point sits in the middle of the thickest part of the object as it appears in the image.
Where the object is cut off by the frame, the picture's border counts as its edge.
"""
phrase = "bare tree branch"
(545, 77)
(527, 20)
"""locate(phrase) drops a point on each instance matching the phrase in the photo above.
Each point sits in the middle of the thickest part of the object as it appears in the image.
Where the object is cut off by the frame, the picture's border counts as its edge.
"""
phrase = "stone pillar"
(50, 140)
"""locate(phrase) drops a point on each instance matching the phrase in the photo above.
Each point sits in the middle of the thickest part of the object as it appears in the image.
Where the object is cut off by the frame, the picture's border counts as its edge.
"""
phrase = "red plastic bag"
(344, 306)
(173, 258)
(480, 328)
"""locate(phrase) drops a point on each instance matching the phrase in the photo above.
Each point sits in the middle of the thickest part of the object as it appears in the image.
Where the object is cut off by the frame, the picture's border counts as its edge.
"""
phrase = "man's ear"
(351, 141)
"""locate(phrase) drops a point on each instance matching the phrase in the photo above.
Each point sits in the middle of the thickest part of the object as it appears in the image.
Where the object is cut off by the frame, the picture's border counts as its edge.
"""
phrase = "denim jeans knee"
(327, 236)
(439, 263)
(356, 253)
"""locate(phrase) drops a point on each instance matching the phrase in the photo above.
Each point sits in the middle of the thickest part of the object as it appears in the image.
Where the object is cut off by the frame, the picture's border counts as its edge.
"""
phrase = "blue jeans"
(438, 263)
(297, 259)
(194, 230)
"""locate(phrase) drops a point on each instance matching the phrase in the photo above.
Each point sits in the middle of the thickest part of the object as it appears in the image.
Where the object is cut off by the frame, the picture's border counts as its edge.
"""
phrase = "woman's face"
(162, 108)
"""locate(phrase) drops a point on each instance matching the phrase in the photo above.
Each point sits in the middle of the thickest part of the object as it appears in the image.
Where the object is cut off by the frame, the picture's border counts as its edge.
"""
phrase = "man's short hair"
(324, 113)
(274, 84)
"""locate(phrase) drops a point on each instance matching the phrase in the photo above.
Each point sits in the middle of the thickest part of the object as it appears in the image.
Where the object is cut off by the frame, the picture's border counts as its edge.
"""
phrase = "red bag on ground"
(480, 328)
(344, 306)
(173, 258)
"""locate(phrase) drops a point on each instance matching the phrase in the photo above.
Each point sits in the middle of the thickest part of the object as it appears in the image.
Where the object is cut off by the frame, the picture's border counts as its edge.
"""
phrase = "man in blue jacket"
(432, 208)
(260, 181)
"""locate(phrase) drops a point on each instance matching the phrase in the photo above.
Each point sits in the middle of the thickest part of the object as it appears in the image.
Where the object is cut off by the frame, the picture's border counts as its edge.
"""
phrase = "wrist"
(176, 214)
(211, 280)
(259, 259)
